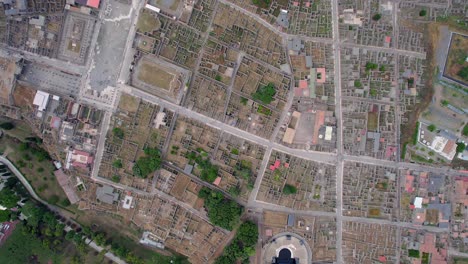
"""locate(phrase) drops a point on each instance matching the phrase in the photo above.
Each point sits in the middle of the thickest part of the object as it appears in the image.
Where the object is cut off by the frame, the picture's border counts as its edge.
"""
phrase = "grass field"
(147, 22)
(152, 74)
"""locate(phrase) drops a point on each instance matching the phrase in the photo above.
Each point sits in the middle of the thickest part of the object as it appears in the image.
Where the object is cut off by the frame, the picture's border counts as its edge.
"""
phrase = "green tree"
(8, 198)
(41, 154)
(70, 235)
(5, 215)
(115, 178)
(376, 17)
(422, 13)
(460, 147)
(33, 213)
(147, 164)
(118, 132)
(242, 246)
(59, 230)
(117, 163)
(371, 66)
(444, 103)
(265, 93)
(357, 84)
(289, 189)
(431, 127)
(7, 125)
(413, 253)
(100, 239)
(382, 68)
(465, 130)
(221, 211)
(463, 73)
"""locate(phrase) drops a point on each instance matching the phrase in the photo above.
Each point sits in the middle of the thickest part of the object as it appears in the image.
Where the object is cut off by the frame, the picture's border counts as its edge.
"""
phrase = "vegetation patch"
(209, 172)
(289, 189)
(265, 94)
(148, 163)
(243, 245)
(413, 253)
(222, 212)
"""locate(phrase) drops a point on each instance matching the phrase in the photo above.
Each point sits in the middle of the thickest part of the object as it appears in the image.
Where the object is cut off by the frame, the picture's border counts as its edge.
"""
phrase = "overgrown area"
(265, 94)
(243, 245)
(148, 163)
(209, 171)
(27, 153)
(222, 212)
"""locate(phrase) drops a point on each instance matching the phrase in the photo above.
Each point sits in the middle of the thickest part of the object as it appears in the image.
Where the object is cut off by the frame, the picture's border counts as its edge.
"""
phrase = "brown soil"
(23, 96)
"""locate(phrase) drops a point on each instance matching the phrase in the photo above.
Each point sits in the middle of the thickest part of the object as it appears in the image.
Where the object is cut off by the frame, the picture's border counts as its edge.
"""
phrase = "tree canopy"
(148, 163)
(209, 171)
(463, 73)
(461, 147)
(289, 189)
(8, 198)
(118, 132)
(243, 245)
(222, 212)
(7, 125)
(265, 93)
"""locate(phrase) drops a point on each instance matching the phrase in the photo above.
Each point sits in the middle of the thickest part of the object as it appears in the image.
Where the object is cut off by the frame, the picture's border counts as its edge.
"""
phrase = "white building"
(40, 100)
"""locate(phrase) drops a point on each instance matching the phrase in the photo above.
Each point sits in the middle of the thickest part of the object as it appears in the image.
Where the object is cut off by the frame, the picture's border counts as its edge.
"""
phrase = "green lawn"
(20, 249)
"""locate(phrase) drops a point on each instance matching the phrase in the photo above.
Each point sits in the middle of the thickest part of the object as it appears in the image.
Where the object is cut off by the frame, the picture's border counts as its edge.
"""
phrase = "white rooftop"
(41, 99)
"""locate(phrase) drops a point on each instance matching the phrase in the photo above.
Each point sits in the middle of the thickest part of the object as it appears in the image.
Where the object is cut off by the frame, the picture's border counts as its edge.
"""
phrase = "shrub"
(7, 125)
(289, 189)
(147, 164)
(117, 163)
(461, 147)
(413, 253)
(357, 84)
(265, 94)
(463, 73)
(376, 17)
(118, 132)
(116, 178)
(371, 66)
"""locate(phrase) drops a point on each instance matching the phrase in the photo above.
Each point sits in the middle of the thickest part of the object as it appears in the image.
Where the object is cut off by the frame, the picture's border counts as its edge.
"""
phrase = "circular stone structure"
(286, 248)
